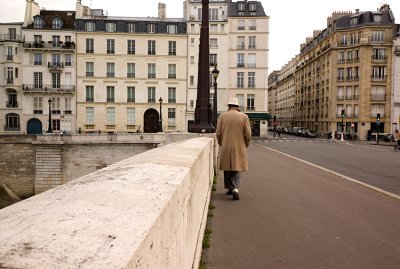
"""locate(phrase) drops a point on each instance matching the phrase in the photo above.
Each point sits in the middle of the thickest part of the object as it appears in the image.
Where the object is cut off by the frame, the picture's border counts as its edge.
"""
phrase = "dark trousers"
(231, 180)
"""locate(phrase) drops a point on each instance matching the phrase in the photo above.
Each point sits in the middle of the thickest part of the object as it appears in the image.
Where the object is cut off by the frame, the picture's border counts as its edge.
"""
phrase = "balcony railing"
(43, 45)
(10, 81)
(10, 37)
(48, 88)
(12, 128)
(378, 78)
(10, 57)
(379, 58)
(55, 65)
(12, 104)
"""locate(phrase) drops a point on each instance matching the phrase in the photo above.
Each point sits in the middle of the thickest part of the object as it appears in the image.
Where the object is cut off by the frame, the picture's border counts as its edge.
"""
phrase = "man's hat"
(233, 101)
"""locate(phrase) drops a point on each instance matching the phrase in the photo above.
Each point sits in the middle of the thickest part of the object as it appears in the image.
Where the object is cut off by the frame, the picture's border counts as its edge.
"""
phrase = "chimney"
(32, 9)
(162, 11)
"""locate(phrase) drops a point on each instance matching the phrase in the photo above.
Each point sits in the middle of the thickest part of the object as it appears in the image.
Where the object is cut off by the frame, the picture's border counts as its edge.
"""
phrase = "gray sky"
(291, 21)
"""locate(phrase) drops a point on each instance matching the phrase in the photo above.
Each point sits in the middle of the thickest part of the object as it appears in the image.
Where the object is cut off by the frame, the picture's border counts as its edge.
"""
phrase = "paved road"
(301, 217)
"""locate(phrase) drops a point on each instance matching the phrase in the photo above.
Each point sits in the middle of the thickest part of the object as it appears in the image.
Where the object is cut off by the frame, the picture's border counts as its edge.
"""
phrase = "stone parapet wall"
(147, 211)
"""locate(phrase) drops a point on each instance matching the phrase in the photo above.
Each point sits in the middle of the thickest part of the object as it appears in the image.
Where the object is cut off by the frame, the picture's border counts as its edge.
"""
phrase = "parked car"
(311, 134)
(388, 138)
(65, 132)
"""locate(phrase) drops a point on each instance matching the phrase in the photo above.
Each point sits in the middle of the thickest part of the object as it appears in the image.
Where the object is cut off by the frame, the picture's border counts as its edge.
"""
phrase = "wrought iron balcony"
(12, 128)
(55, 65)
(10, 37)
(378, 97)
(11, 104)
(48, 88)
(43, 45)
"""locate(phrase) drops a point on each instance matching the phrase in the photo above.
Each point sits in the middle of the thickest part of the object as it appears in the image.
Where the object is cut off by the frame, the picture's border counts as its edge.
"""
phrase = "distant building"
(396, 80)
(345, 74)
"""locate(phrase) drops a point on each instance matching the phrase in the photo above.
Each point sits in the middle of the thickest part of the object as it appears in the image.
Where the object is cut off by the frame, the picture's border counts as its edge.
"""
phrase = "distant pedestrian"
(396, 136)
(233, 135)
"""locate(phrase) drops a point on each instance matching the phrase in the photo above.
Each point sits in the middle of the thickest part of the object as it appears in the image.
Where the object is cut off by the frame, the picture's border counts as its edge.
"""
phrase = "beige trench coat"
(233, 135)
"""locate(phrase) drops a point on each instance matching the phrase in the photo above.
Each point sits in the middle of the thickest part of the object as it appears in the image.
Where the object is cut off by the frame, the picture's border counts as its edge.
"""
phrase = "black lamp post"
(215, 73)
(50, 129)
(160, 127)
(203, 113)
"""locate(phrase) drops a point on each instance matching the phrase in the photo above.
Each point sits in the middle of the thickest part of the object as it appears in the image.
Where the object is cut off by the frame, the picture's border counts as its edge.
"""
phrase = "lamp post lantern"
(215, 73)
(160, 120)
(203, 114)
(50, 129)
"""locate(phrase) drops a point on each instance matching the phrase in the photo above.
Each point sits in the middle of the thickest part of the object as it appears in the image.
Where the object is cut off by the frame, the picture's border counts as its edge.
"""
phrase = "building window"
(213, 43)
(191, 59)
(172, 29)
(38, 23)
(191, 80)
(38, 80)
(151, 47)
(378, 53)
(252, 25)
(151, 70)
(213, 27)
(250, 102)
(110, 70)
(68, 105)
(56, 105)
(110, 94)
(340, 74)
(240, 98)
(354, 38)
(89, 69)
(110, 115)
(130, 94)
(251, 80)
(354, 20)
(251, 60)
(10, 75)
(12, 122)
(171, 95)
(252, 42)
(240, 42)
(377, 17)
(171, 116)
(131, 27)
(241, 6)
(56, 80)
(343, 40)
(213, 14)
(241, 25)
(240, 60)
(171, 47)
(110, 46)
(37, 105)
(151, 28)
(68, 60)
(38, 59)
(90, 115)
(378, 36)
(57, 23)
(171, 71)
(151, 94)
(12, 98)
(37, 39)
(253, 6)
(89, 45)
(131, 46)
(130, 70)
(131, 116)
(89, 93)
(111, 27)
(240, 79)
(379, 72)
(90, 26)
(213, 59)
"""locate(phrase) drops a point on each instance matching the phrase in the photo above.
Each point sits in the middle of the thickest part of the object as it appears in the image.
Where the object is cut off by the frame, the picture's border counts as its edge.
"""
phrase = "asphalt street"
(293, 215)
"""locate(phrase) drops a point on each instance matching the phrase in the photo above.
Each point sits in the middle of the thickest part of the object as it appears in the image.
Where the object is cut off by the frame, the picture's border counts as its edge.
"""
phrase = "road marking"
(335, 173)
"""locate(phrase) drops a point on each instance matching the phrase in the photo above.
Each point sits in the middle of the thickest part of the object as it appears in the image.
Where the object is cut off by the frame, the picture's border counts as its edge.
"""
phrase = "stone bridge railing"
(147, 211)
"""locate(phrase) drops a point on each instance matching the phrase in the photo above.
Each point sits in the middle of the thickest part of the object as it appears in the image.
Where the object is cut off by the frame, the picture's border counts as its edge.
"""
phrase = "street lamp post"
(215, 73)
(203, 113)
(160, 120)
(50, 129)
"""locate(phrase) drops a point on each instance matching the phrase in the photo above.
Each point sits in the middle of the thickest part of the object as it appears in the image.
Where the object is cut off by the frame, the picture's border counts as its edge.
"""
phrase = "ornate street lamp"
(203, 114)
(215, 74)
(160, 120)
(50, 129)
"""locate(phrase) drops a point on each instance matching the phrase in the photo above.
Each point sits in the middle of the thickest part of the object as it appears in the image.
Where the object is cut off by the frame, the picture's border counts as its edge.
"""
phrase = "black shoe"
(235, 195)
(229, 192)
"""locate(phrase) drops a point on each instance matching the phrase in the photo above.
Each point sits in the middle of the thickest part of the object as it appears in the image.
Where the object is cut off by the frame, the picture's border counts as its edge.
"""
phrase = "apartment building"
(396, 80)
(344, 75)
(11, 78)
(49, 70)
(272, 92)
(126, 66)
(239, 48)
(285, 94)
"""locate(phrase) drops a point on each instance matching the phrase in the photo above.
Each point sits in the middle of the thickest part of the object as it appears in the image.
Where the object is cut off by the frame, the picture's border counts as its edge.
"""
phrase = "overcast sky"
(291, 21)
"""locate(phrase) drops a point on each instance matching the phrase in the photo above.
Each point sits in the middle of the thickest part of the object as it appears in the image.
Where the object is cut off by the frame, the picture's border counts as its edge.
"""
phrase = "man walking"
(233, 135)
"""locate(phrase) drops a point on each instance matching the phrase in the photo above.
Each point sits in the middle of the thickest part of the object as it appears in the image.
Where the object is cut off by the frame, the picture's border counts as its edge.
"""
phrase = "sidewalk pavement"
(292, 215)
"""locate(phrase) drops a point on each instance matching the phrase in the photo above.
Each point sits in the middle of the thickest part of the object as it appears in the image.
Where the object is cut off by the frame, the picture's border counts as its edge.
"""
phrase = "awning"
(258, 116)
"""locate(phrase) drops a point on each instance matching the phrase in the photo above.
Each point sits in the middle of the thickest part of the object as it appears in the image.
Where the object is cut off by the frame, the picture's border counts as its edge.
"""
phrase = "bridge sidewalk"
(293, 215)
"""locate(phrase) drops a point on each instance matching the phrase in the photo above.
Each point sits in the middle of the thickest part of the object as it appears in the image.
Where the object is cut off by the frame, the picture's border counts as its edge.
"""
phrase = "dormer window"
(111, 27)
(241, 6)
(253, 6)
(90, 26)
(38, 23)
(354, 21)
(57, 23)
(377, 17)
(151, 28)
(172, 29)
(131, 27)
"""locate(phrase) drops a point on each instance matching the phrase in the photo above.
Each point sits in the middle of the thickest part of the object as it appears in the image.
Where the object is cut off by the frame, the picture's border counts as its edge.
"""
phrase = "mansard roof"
(235, 11)
(68, 18)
